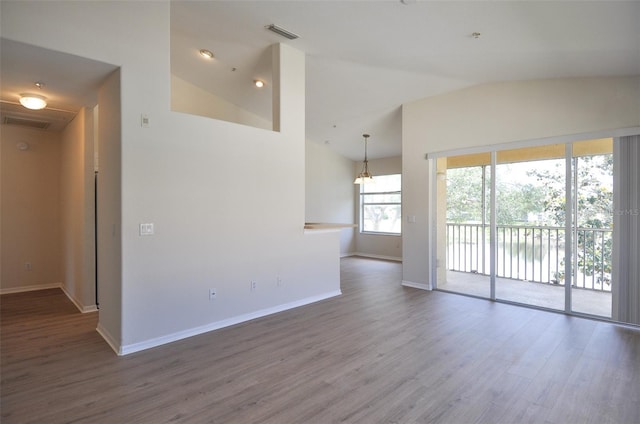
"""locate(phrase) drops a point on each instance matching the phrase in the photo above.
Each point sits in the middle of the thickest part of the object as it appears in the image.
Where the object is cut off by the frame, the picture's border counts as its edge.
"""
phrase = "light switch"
(411, 219)
(146, 229)
(144, 120)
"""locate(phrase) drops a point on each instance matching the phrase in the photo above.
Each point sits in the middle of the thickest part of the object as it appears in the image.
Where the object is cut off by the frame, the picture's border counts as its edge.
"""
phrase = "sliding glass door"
(540, 233)
(464, 194)
(593, 227)
(530, 228)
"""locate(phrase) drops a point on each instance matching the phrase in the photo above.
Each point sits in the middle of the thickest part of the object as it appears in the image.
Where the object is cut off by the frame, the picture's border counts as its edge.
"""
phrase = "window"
(380, 205)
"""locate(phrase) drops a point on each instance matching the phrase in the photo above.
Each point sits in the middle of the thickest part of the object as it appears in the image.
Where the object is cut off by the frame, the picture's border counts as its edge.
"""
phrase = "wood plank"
(380, 353)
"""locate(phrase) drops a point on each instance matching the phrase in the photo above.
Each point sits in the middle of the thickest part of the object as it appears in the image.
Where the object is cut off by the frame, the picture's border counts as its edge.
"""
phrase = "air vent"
(41, 125)
(283, 32)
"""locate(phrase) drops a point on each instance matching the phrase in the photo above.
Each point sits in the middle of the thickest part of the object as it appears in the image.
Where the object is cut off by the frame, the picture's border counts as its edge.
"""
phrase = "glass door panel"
(530, 230)
(593, 228)
(463, 252)
(531, 233)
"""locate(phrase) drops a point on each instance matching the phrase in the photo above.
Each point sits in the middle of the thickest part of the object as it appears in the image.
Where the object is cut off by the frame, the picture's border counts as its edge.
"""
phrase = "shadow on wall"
(207, 85)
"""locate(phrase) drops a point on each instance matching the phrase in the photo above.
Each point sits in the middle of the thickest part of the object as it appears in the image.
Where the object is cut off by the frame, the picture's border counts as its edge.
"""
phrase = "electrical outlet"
(212, 294)
(254, 285)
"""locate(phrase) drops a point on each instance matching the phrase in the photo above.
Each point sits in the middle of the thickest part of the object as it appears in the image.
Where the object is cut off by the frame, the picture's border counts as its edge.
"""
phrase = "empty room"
(394, 211)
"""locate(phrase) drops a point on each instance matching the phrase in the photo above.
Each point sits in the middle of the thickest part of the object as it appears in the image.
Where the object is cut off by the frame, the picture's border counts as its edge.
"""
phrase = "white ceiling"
(366, 58)
(71, 82)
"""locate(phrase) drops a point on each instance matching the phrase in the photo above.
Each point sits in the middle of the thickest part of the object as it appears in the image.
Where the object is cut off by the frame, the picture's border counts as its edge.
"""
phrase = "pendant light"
(364, 177)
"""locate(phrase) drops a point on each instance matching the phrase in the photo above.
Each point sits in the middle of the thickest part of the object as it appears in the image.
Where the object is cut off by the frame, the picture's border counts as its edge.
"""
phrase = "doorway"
(507, 231)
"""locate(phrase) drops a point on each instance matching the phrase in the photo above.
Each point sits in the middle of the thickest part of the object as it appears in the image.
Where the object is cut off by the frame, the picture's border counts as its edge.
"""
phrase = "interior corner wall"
(329, 191)
(77, 211)
(189, 98)
(109, 211)
(495, 114)
(227, 201)
(378, 245)
(30, 218)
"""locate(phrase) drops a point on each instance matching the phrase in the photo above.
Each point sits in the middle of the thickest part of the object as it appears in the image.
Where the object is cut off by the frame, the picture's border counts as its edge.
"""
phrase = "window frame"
(362, 205)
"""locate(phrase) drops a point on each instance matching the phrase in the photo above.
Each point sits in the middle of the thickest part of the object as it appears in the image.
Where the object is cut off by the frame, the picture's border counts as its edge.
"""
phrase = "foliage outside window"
(533, 194)
(380, 205)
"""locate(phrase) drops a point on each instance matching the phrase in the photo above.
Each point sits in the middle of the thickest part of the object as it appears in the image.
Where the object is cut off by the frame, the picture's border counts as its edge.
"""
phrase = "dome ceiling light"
(34, 101)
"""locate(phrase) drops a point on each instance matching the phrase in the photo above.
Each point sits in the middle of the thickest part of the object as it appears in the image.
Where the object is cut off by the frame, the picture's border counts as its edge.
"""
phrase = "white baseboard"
(30, 288)
(421, 286)
(158, 341)
(111, 341)
(81, 308)
(372, 256)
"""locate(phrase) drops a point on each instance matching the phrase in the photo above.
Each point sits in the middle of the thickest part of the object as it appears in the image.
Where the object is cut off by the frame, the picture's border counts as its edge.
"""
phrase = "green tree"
(541, 194)
(464, 195)
(594, 200)
(515, 200)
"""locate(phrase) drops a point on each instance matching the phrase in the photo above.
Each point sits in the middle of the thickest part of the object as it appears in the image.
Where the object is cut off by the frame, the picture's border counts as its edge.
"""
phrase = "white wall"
(30, 221)
(189, 98)
(500, 113)
(378, 245)
(227, 200)
(48, 210)
(329, 191)
(77, 213)
(109, 211)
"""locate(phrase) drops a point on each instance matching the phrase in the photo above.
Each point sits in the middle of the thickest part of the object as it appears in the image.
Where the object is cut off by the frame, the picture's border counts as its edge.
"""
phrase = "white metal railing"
(532, 253)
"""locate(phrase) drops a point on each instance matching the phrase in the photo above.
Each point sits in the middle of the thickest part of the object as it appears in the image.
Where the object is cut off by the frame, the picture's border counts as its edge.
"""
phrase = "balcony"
(530, 265)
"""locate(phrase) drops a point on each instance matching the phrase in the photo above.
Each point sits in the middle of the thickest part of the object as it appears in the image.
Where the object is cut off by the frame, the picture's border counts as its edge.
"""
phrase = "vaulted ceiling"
(366, 58)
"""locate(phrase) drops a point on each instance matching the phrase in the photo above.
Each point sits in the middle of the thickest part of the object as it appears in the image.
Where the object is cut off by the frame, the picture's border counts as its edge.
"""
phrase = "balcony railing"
(532, 253)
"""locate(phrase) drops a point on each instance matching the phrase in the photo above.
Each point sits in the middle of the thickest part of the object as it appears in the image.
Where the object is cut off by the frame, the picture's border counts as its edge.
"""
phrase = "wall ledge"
(325, 226)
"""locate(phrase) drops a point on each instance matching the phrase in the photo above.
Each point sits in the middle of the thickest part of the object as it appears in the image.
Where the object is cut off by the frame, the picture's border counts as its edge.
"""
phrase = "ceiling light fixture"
(258, 83)
(364, 177)
(206, 53)
(283, 32)
(33, 101)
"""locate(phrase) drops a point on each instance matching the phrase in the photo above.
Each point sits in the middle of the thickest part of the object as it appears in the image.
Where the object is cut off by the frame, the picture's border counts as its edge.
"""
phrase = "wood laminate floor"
(380, 353)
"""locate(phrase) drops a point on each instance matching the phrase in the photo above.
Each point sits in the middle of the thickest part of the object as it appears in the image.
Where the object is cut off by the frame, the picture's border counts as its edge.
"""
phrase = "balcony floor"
(538, 294)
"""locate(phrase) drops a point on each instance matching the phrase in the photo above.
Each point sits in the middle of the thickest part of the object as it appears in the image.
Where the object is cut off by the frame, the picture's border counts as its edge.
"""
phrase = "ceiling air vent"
(41, 125)
(283, 32)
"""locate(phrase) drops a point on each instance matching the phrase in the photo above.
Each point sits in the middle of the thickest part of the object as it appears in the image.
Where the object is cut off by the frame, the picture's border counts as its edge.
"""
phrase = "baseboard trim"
(421, 286)
(30, 288)
(113, 344)
(158, 341)
(81, 308)
(372, 256)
